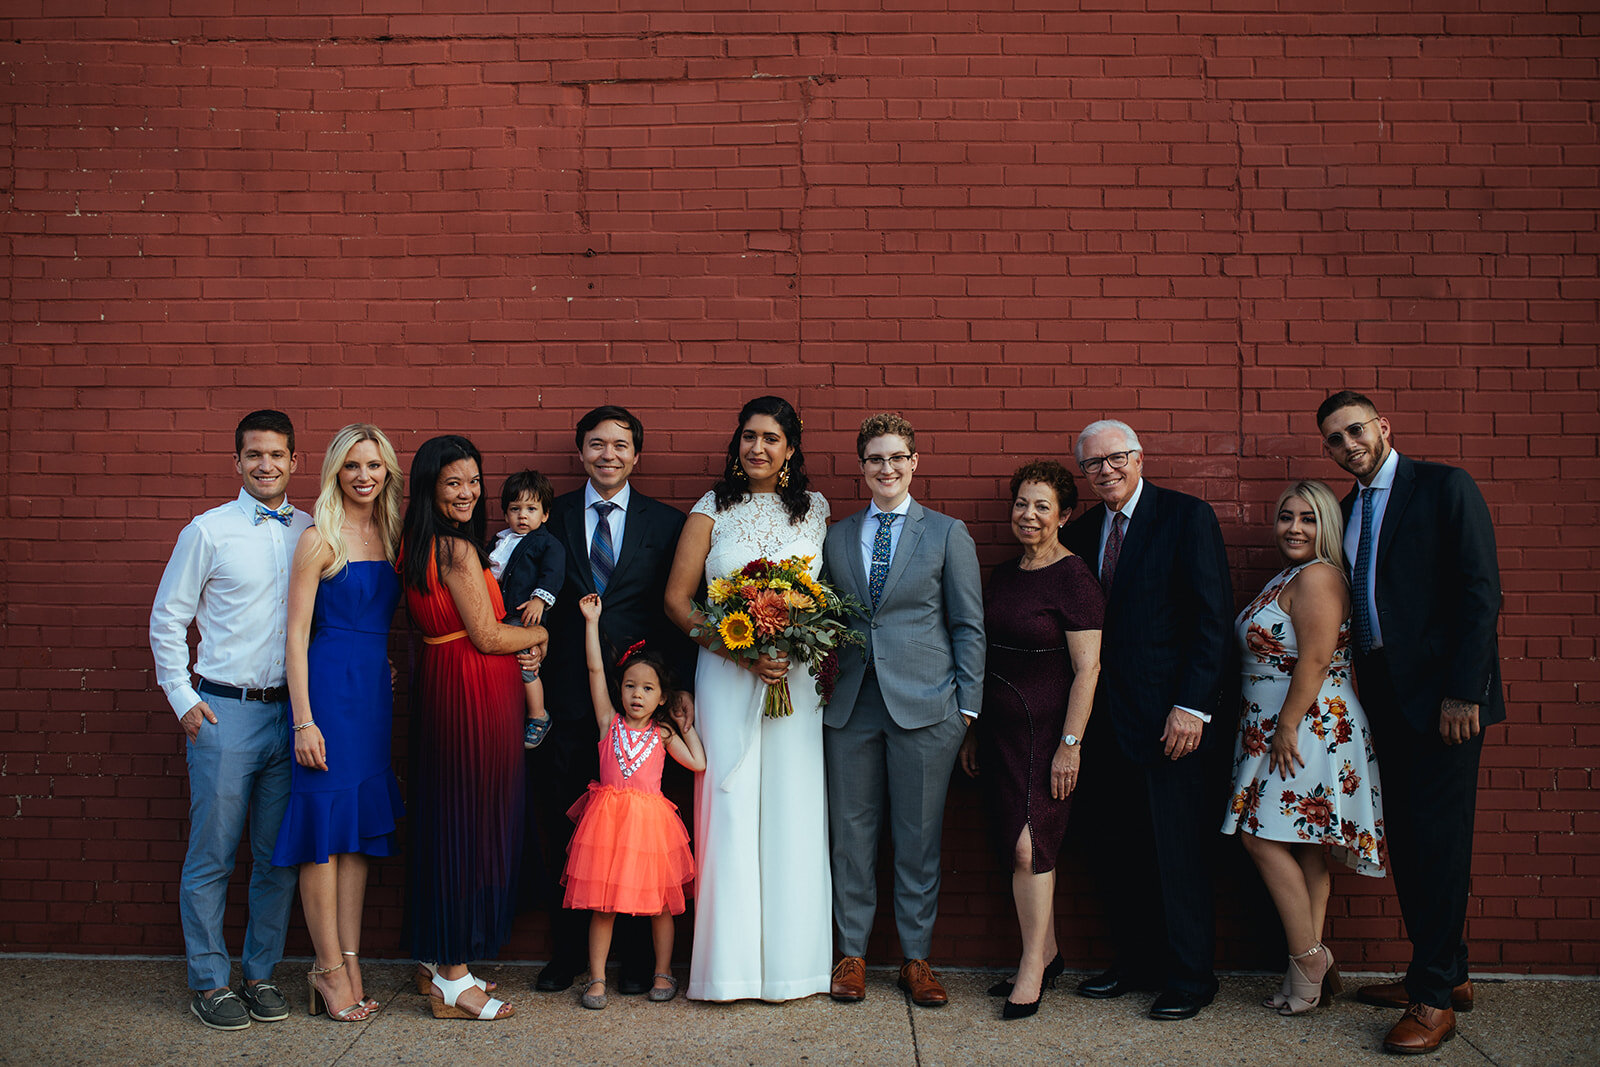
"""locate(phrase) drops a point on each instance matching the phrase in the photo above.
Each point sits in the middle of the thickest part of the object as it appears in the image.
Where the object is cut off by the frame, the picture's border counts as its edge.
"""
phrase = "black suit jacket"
(634, 605)
(1438, 593)
(1165, 641)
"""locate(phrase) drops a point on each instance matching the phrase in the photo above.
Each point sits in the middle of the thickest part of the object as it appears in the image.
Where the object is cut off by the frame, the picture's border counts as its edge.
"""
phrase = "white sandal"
(427, 972)
(450, 989)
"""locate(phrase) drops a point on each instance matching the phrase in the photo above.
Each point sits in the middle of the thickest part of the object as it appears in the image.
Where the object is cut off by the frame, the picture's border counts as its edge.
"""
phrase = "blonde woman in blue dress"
(1304, 773)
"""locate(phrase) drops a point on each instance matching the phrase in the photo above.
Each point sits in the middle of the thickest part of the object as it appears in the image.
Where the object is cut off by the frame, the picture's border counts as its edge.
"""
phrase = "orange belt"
(442, 638)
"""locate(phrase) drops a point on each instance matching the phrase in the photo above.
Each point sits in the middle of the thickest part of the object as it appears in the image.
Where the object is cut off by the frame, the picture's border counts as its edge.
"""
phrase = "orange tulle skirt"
(629, 855)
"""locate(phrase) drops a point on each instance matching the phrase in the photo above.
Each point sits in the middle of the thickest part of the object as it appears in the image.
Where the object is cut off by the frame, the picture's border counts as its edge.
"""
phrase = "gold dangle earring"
(783, 475)
(736, 470)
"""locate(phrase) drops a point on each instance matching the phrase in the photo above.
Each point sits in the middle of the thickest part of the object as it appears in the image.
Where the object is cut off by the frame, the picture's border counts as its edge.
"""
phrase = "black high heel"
(1052, 971)
(1013, 1010)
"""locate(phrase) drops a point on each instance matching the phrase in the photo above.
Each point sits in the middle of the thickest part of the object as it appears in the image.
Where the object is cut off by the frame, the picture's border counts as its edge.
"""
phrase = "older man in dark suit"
(1165, 648)
(1425, 599)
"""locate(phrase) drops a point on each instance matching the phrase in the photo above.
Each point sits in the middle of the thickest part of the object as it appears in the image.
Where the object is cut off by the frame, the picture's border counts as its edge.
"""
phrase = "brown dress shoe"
(918, 979)
(849, 980)
(1394, 995)
(1421, 1029)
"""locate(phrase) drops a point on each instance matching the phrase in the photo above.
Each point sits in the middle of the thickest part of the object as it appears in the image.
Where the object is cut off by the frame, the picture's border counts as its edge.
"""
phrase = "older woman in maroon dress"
(1042, 615)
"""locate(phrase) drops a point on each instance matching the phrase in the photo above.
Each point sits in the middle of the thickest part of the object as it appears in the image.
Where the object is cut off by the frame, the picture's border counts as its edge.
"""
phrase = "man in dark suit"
(1424, 598)
(620, 544)
(1169, 606)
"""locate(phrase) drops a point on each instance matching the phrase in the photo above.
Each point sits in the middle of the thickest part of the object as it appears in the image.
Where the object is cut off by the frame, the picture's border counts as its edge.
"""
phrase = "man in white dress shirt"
(229, 575)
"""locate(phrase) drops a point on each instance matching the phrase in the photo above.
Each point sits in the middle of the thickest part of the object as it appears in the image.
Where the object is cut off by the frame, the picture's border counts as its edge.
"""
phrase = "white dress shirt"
(1105, 535)
(618, 518)
(1383, 482)
(229, 576)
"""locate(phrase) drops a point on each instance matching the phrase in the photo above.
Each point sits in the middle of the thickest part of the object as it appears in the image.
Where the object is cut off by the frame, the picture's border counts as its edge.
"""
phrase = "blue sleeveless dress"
(352, 806)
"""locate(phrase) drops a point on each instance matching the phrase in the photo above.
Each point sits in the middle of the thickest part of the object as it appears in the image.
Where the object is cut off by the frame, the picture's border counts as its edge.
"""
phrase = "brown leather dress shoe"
(918, 979)
(1394, 995)
(849, 980)
(1421, 1029)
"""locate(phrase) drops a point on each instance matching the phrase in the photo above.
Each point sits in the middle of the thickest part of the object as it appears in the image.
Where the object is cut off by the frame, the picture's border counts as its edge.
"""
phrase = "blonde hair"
(1330, 521)
(386, 513)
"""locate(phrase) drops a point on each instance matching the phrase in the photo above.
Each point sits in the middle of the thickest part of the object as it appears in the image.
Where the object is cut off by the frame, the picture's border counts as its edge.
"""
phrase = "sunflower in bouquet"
(776, 607)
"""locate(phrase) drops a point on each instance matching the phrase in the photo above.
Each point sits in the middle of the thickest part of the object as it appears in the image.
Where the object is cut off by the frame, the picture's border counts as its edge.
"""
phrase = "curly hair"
(1049, 473)
(885, 424)
(733, 487)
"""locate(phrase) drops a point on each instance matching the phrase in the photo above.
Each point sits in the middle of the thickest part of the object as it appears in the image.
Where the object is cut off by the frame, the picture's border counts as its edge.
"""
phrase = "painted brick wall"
(1004, 221)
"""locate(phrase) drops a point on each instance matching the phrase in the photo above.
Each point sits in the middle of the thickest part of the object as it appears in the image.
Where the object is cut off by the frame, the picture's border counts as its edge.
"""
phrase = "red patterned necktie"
(1108, 566)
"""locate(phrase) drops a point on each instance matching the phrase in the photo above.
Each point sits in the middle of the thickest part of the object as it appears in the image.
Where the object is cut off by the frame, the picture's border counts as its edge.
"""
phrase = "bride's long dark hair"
(734, 486)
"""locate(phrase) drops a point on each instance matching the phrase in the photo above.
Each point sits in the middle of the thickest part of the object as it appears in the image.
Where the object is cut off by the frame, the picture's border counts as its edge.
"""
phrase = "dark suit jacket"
(633, 606)
(1438, 593)
(538, 562)
(1166, 639)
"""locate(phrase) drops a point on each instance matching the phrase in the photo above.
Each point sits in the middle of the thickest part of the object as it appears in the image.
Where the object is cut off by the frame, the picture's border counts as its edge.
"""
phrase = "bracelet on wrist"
(302, 725)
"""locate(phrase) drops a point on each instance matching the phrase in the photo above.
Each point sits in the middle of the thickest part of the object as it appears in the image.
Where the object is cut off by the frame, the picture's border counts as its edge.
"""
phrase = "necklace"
(1039, 564)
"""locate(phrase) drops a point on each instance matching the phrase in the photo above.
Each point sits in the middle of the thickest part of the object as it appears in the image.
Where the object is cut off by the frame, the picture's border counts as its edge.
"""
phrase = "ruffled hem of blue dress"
(317, 825)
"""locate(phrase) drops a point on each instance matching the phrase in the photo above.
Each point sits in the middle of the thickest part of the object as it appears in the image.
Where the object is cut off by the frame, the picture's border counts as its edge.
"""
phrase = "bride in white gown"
(763, 918)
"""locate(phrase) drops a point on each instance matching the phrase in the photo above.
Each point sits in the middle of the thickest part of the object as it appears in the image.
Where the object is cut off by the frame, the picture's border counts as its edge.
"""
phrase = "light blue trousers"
(238, 772)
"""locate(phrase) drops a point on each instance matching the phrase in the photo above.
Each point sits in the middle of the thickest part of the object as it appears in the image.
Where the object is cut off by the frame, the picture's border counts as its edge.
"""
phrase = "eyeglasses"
(1353, 432)
(1115, 460)
(876, 463)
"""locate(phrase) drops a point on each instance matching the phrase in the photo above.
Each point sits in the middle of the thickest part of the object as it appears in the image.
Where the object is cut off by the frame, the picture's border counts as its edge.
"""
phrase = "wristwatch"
(1070, 740)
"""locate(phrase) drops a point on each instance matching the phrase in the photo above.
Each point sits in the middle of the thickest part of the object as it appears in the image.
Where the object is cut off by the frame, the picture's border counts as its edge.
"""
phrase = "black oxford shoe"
(1109, 984)
(1174, 1004)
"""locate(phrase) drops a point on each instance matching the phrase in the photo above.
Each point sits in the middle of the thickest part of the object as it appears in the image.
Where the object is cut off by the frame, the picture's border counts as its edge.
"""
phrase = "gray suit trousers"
(872, 761)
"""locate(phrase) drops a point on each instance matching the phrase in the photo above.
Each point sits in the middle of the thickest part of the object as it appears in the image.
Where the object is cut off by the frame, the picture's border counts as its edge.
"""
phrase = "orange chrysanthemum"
(769, 613)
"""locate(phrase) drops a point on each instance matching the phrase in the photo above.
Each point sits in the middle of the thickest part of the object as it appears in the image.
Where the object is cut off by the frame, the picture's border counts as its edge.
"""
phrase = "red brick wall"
(1199, 216)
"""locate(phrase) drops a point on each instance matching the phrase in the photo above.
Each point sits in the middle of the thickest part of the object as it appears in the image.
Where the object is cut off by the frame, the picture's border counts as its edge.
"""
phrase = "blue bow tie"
(282, 514)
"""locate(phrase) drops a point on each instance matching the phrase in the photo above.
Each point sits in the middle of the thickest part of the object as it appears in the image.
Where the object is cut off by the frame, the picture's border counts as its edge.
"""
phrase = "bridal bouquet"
(777, 607)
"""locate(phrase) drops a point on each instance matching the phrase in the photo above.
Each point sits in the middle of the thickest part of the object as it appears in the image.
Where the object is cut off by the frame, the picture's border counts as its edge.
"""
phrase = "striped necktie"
(602, 556)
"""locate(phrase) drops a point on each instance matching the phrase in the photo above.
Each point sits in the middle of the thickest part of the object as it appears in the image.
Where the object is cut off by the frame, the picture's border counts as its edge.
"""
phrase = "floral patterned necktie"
(880, 556)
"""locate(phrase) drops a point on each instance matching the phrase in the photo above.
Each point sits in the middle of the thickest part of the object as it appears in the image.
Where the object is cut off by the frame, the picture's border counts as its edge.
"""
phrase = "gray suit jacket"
(926, 639)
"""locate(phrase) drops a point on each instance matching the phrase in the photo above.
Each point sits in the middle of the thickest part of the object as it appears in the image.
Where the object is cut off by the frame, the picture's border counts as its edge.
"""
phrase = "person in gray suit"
(898, 715)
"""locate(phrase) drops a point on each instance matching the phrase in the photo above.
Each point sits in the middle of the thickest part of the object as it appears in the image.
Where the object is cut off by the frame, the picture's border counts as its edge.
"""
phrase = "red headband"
(636, 646)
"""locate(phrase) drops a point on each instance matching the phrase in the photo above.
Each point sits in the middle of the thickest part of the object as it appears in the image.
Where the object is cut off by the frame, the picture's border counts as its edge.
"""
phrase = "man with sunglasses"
(1163, 661)
(1425, 599)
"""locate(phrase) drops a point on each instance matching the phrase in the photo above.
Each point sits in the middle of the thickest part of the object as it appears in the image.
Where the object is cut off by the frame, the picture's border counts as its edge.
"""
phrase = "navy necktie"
(602, 556)
(880, 556)
(1358, 582)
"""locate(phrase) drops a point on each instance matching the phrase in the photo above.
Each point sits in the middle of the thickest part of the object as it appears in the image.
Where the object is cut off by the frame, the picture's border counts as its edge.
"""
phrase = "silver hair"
(1104, 426)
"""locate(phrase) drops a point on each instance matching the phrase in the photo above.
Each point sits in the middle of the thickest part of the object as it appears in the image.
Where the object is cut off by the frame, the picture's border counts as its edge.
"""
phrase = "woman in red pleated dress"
(466, 763)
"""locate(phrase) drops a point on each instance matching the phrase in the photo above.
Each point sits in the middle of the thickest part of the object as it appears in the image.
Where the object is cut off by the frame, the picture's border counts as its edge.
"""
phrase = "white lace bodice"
(759, 526)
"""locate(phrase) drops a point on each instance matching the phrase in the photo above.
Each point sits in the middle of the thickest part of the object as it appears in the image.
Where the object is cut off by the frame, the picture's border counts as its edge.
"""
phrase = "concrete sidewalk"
(62, 1011)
